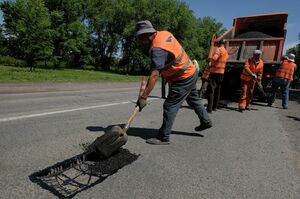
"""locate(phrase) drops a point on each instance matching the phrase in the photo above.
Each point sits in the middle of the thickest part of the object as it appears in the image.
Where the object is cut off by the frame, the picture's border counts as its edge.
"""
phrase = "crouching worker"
(169, 59)
(251, 74)
(282, 79)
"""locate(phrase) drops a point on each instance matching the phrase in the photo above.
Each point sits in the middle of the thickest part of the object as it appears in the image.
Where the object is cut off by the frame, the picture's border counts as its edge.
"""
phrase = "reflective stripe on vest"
(286, 70)
(254, 68)
(175, 62)
(218, 66)
(196, 65)
(178, 72)
(181, 67)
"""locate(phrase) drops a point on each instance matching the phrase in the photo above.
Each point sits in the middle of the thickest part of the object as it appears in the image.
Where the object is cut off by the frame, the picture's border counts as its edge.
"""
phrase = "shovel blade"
(110, 142)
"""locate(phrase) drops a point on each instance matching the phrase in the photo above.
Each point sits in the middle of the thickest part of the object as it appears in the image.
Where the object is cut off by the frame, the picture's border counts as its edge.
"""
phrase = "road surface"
(254, 154)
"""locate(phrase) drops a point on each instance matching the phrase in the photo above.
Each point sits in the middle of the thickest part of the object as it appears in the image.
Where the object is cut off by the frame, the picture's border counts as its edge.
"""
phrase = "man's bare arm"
(151, 83)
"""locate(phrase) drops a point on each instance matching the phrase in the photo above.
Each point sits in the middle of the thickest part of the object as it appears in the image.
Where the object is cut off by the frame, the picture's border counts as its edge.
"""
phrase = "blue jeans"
(180, 91)
(284, 85)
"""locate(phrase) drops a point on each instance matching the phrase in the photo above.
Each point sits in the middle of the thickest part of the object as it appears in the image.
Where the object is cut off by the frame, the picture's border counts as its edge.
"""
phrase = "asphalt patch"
(74, 175)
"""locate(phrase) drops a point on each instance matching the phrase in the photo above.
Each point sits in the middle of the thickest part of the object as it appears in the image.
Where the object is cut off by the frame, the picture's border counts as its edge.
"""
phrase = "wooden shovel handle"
(142, 89)
(131, 118)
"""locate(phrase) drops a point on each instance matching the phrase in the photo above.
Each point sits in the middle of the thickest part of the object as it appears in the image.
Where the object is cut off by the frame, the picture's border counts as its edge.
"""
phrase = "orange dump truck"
(264, 32)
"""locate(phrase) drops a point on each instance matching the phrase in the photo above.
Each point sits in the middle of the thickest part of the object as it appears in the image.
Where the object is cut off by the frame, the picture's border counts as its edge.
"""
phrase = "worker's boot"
(203, 126)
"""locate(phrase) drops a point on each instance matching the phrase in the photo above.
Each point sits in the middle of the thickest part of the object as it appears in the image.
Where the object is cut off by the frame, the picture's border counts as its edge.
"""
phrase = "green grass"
(17, 74)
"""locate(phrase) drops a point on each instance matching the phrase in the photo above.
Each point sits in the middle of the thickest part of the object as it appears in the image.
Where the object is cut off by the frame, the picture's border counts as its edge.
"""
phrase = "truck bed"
(265, 32)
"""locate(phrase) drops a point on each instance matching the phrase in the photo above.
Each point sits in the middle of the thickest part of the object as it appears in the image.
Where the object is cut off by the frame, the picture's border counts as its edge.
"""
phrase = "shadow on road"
(258, 103)
(295, 118)
(74, 175)
(228, 108)
(294, 95)
(144, 133)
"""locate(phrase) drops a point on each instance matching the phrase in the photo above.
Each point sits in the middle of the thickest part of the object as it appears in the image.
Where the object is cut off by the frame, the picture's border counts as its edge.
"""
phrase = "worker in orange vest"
(215, 74)
(251, 74)
(169, 59)
(282, 79)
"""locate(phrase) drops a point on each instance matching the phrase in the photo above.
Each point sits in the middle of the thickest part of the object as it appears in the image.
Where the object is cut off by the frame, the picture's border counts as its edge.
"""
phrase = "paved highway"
(244, 155)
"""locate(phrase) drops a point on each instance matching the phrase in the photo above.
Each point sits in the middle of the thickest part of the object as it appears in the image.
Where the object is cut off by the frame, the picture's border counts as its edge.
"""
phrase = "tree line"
(98, 33)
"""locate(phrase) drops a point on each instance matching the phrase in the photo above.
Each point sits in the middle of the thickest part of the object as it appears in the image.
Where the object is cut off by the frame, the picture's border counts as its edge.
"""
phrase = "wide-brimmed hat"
(290, 57)
(143, 27)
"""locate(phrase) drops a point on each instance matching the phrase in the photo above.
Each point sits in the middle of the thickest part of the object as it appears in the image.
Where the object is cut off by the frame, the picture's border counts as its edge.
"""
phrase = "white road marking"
(65, 111)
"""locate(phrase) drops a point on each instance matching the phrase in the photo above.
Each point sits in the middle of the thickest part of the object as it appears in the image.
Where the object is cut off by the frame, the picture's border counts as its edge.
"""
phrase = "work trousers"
(179, 91)
(213, 90)
(246, 93)
(284, 85)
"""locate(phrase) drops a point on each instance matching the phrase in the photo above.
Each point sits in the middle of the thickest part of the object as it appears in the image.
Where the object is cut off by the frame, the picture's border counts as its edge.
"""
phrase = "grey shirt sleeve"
(159, 58)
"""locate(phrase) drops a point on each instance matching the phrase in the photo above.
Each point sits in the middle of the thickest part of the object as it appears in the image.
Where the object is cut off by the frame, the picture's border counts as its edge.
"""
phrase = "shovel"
(111, 141)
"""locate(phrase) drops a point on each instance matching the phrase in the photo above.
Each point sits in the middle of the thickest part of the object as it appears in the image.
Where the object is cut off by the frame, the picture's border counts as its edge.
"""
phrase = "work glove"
(141, 103)
(254, 76)
(203, 88)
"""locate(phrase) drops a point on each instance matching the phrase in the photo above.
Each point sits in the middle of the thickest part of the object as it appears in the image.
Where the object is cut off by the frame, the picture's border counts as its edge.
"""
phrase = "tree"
(70, 32)
(27, 26)
(107, 20)
(296, 50)
(194, 34)
(3, 42)
(207, 27)
(99, 32)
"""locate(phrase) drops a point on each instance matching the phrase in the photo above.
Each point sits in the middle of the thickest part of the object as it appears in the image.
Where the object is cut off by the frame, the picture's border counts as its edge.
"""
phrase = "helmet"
(290, 57)
(221, 41)
(257, 52)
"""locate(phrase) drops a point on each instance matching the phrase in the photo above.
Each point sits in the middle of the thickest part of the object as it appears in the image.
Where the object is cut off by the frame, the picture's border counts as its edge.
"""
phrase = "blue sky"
(226, 10)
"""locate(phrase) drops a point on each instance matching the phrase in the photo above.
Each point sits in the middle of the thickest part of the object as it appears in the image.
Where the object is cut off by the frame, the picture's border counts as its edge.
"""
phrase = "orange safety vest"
(206, 73)
(286, 70)
(254, 68)
(181, 67)
(218, 66)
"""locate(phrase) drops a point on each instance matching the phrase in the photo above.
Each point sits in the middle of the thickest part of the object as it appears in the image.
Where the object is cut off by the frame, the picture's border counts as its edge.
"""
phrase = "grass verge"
(18, 74)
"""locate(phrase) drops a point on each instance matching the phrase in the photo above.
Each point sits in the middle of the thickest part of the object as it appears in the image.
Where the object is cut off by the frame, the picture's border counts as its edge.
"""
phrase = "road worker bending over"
(169, 59)
(283, 78)
(252, 73)
(215, 76)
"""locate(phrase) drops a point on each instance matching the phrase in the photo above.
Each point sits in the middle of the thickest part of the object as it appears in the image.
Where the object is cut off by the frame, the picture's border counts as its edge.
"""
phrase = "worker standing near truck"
(169, 59)
(215, 75)
(283, 78)
(251, 74)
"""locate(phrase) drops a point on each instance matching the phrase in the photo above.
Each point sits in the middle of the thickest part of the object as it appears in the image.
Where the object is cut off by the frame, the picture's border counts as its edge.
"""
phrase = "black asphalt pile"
(253, 34)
